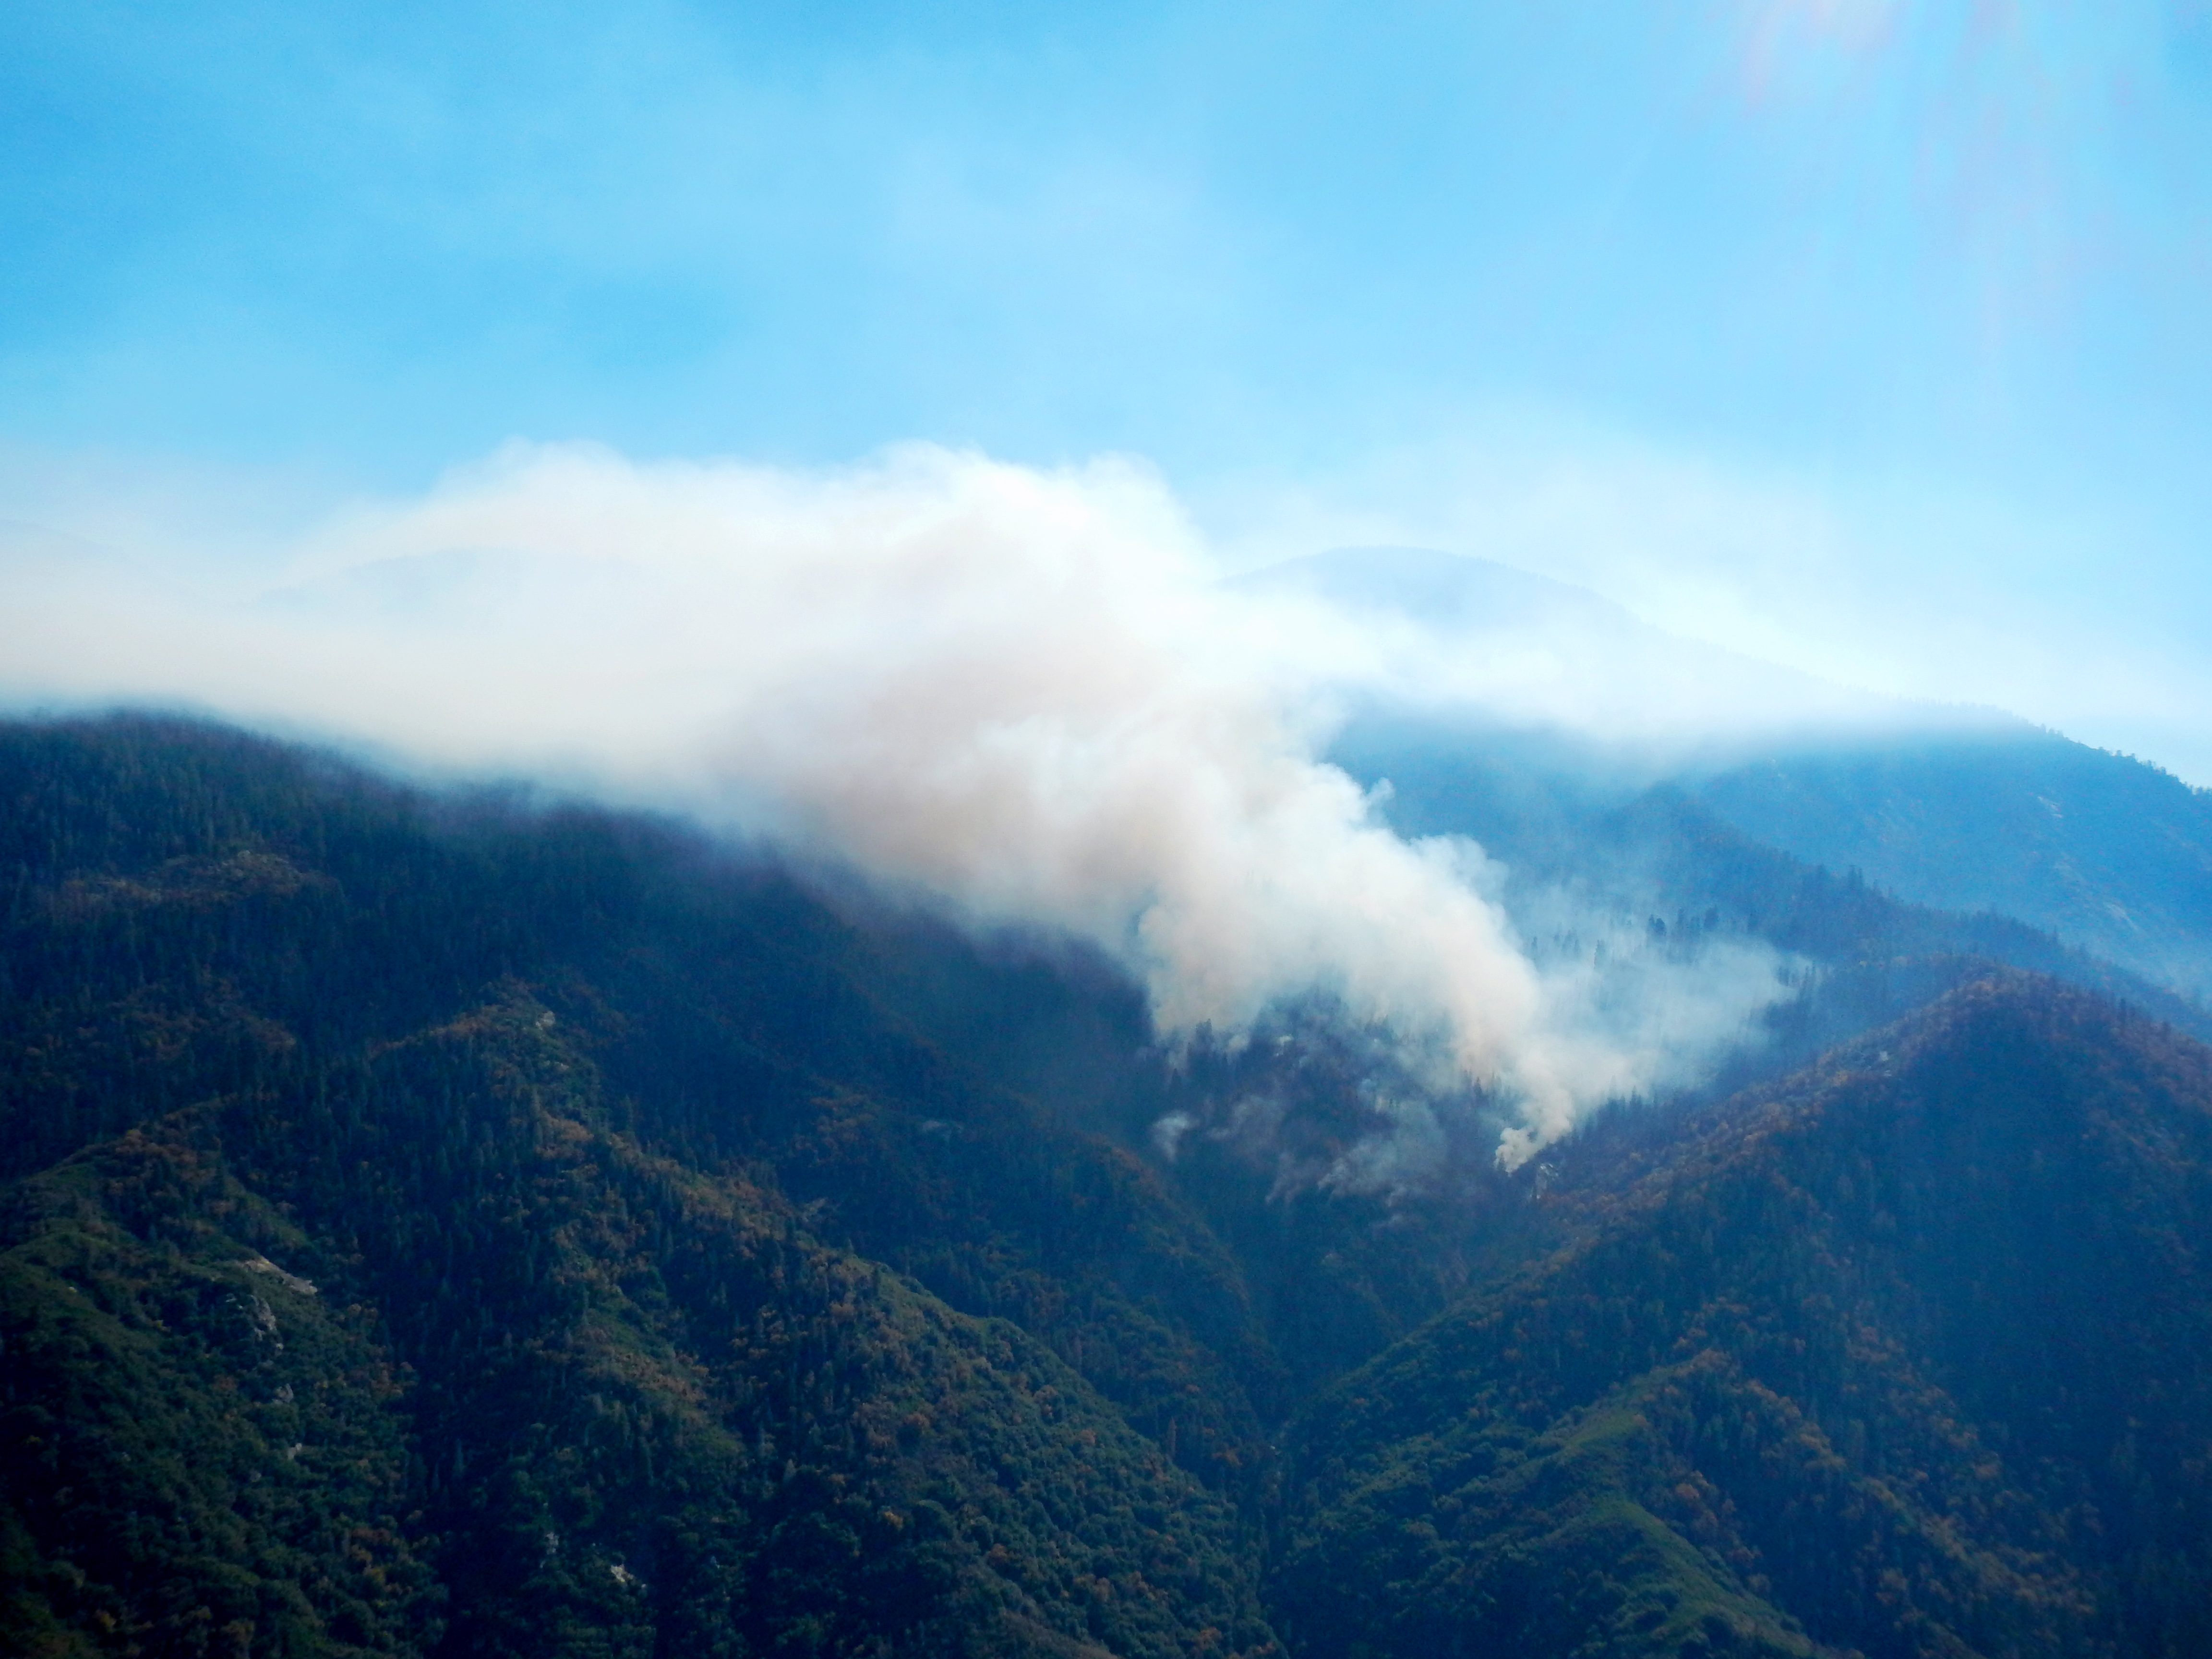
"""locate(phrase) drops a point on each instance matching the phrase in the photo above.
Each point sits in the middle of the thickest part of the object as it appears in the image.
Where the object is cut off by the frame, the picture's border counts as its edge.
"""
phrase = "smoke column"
(1019, 692)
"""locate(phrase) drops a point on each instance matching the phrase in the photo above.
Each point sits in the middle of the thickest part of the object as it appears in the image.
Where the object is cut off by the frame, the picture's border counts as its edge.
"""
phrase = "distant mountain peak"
(1472, 638)
(1447, 590)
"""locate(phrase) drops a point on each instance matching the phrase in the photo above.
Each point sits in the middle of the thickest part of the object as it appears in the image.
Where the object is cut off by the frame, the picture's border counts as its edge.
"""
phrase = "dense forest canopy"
(461, 1223)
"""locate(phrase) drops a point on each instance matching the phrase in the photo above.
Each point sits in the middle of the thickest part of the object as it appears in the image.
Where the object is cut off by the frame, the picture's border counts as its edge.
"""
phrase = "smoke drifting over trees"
(1024, 696)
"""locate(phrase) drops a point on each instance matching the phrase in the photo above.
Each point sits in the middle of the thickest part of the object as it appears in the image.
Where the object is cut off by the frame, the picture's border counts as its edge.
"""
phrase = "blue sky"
(1870, 335)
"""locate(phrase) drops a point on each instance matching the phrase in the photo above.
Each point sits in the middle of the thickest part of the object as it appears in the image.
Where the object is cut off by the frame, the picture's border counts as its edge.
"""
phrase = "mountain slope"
(680, 1252)
(1543, 704)
(644, 1410)
(196, 912)
(199, 1448)
(1912, 1356)
(450, 1225)
(1587, 842)
(2106, 852)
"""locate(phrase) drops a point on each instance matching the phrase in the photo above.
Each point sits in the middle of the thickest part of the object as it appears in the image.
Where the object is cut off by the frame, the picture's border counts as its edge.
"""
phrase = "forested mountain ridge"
(448, 1224)
(1912, 1356)
(2106, 851)
(644, 1407)
(1600, 845)
(1962, 810)
(300, 998)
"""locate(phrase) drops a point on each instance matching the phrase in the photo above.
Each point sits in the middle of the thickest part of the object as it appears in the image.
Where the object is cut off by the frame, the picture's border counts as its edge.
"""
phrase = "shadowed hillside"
(2013, 832)
(670, 1291)
(1910, 1356)
(2105, 852)
(454, 1224)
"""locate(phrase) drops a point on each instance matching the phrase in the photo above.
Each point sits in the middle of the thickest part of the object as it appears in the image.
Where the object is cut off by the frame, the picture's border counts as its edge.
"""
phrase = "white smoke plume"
(1022, 692)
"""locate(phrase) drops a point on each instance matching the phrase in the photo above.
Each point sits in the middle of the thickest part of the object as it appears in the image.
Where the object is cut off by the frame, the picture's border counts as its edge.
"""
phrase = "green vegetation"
(2106, 851)
(1913, 1356)
(459, 1226)
(555, 1390)
(1880, 928)
(202, 1448)
(688, 1424)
